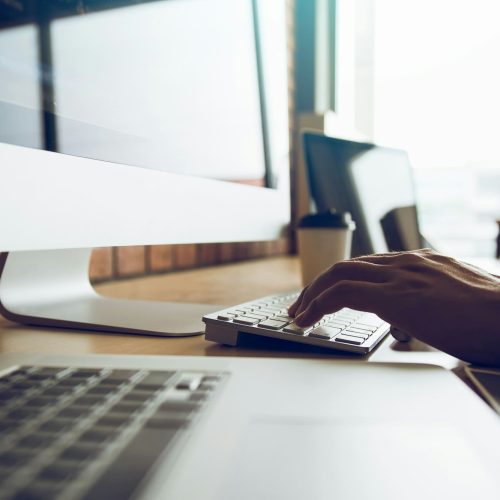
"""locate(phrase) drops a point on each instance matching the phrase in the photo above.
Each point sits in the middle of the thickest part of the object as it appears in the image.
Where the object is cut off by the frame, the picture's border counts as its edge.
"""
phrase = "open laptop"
(228, 428)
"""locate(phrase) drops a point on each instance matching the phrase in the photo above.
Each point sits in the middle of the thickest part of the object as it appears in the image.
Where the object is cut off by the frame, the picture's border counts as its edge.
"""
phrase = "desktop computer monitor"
(372, 182)
(129, 123)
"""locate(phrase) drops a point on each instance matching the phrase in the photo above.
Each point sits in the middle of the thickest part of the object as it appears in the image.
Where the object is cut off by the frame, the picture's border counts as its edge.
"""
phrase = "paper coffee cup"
(323, 240)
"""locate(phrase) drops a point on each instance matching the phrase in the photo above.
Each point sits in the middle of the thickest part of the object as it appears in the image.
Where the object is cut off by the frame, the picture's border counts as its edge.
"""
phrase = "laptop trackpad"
(300, 459)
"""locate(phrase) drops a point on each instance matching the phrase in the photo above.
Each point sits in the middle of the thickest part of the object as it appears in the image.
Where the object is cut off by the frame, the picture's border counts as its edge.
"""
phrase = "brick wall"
(126, 262)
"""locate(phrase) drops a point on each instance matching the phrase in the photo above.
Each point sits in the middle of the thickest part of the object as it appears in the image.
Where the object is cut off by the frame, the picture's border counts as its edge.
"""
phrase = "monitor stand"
(52, 288)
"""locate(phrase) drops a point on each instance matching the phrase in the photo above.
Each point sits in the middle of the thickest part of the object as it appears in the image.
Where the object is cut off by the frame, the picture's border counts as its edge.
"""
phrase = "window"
(424, 76)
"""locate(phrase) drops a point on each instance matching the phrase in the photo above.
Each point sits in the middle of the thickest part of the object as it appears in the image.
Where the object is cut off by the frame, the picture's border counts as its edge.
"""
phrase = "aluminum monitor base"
(52, 288)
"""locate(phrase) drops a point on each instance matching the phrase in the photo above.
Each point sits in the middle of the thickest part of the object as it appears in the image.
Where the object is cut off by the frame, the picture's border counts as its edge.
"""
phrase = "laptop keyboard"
(347, 329)
(81, 433)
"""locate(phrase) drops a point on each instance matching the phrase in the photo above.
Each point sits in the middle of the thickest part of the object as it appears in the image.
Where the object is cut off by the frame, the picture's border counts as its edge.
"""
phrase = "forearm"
(475, 336)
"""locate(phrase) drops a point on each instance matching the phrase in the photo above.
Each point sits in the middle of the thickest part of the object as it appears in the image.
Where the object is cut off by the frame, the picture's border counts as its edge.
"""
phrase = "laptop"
(241, 428)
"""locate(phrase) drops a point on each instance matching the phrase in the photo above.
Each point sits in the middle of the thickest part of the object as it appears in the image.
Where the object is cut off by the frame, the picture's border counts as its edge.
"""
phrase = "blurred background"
(423, 76)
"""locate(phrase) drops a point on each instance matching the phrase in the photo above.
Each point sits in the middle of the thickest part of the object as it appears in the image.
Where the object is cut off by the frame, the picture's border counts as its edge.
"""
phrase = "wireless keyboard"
(345, 330)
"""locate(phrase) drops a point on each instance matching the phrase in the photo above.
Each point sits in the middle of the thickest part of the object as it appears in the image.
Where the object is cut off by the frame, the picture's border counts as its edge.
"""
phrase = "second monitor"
(372, 182)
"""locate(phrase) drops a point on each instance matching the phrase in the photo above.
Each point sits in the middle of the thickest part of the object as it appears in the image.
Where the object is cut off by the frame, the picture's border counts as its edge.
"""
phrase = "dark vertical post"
(305, 61)
(269, 181)
(332, 52)
(46, 82)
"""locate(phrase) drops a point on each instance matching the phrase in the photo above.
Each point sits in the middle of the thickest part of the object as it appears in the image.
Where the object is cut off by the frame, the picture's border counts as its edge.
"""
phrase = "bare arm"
(450, 305)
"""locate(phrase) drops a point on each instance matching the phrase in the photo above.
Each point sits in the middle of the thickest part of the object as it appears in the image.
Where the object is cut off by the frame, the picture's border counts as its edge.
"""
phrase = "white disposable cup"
(321, 247)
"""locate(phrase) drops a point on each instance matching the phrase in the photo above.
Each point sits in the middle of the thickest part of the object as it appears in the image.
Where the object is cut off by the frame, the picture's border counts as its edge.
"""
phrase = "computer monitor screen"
(183, 86)
(372, 182)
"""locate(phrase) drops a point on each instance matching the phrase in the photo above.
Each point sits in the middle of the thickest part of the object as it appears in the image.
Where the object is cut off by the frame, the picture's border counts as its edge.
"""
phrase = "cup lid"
(330, 219)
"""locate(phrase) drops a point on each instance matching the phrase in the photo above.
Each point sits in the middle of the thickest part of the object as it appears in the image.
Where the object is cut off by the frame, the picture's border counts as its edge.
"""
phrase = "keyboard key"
(259, 315)
(348, 339)
(57, 426)
(273, 324)
(80, 378)
(157, 378)
(104, 390)
(22, 386)
(39, 490)
(138, 396)
(111, 383)
(9, 395)
(98, 436)
(325, 332)
(283, 317)
(226, 316)
(4, 386)
(21, 372)
(353, 329)
(337, 324)
(22, 413)
(261, 304)
(269, 309)
(198, 396)
(274, 308)
(87, 372)
(52, 371)
(74, 412)
(114, 421)
(238, 312)
(39, 402)
(246, 320)
(157, 422)
(10, 379)
(148, 387)
(38, 377)
(126, 408)
(60, 471)
(81, 452)
(179, 406)
(189, 383)
(365, 328)
(344, 319)
(35, 441)
(88, 401)
(15, 458)
(355, 334)
(296, 330)
(8, 425)
(371, 320)
(71, 382)
(57, 391)
(121, 375)
(348, 314)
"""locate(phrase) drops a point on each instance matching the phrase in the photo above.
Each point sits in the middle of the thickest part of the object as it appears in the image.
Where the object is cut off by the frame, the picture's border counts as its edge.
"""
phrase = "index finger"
(369, 297)
(348, 270)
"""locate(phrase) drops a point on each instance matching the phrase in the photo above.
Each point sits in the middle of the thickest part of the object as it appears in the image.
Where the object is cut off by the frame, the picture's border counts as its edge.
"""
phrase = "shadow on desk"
(413, 345)
(257, 346)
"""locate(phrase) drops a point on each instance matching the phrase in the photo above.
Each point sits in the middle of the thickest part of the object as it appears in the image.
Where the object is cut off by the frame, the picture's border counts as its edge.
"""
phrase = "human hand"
(450, 305)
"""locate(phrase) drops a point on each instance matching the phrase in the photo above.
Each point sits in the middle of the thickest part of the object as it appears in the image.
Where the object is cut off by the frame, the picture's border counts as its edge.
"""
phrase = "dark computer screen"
(372, 182)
